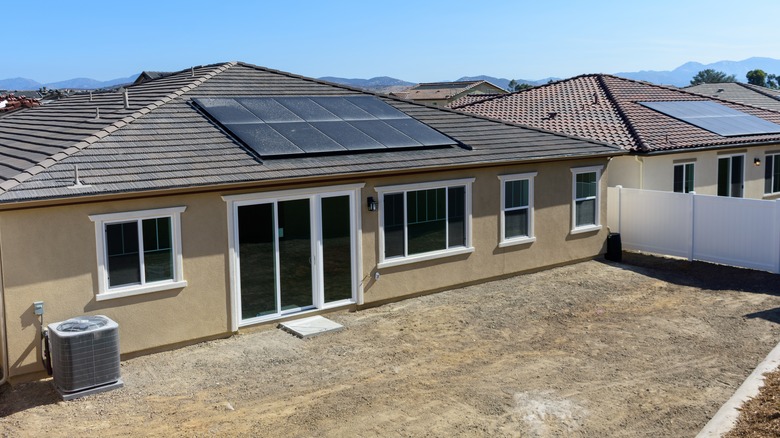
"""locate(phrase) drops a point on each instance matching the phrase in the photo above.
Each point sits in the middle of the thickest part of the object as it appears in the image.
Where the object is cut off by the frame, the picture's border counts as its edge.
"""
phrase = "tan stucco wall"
(657, 171)
(48, 254)
(552, 215)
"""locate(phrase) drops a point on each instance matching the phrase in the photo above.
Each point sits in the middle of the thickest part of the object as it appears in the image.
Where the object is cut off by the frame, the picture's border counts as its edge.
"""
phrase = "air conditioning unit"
(85, 355)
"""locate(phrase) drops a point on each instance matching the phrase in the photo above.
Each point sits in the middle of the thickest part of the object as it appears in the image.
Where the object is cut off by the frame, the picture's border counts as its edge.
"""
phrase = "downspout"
(3, 337)
(641, 162)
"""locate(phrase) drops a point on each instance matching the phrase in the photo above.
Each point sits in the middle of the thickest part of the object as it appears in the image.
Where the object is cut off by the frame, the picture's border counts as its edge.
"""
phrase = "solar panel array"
(715, 117)
(303, 125)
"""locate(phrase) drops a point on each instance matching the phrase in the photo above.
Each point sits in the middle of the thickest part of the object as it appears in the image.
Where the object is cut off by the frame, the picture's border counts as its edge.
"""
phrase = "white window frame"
(591, 227)
(404, 188)
(767, 157)
(685, 174)
(731, 169)
(531, 237)
(105, 292)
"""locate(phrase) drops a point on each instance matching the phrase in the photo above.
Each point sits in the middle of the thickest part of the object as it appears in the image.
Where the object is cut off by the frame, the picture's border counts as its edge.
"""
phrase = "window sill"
(422, 257)
(516, 241)
(139, 290)
(585, 229)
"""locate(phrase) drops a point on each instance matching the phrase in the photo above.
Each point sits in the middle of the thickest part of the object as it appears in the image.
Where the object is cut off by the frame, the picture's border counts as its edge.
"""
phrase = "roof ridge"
(758, 89)
(621, 113)
(107, 130)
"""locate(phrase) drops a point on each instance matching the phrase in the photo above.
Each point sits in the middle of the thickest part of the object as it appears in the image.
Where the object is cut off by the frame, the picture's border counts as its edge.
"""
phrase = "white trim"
(685, 174)
(597, 209)
(767, 157)
(314, 196)
(731, 166)
(138, 290)
(397, 261)
(504, 241)
(106, 292)
(466, 183)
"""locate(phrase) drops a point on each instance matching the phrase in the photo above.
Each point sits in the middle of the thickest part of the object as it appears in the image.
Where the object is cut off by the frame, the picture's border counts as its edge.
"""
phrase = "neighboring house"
(146, 76)
(679, 141)
(443, 93)
(195, 206)
(472, 98)
(747, 94)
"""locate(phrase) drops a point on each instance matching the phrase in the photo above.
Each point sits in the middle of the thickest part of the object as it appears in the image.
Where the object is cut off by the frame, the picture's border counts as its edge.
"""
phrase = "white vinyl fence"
(731, 231)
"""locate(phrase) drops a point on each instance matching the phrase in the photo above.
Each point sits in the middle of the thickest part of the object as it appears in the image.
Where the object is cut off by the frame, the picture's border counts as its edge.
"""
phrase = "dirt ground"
(648, 348)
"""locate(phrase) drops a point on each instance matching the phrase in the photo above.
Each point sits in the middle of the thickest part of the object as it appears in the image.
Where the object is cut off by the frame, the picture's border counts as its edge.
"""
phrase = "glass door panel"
(257, 260)
(336, 249)
(295, 267)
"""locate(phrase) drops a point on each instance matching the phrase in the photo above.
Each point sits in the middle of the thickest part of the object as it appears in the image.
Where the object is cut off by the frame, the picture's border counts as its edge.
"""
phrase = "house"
(444, 93)
(146, 76)
(679, 141)
(188, 207)
(747, 94)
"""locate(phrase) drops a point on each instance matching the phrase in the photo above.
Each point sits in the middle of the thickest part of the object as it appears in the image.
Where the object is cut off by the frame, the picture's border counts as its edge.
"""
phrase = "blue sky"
(418, 41)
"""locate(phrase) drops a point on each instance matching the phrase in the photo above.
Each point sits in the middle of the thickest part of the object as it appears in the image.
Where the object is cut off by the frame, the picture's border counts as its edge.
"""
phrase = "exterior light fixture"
(371, 203)
(757, 161)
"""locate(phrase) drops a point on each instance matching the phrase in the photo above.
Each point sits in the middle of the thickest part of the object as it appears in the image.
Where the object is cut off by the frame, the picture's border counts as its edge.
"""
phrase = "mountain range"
(679, 77)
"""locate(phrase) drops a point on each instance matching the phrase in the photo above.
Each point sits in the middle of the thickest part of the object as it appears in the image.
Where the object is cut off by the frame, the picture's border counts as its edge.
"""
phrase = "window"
(138, 252)
(772, 174)
(586, 204)
(683, 178)
(731, 171)
(517, 209)
(424, 221)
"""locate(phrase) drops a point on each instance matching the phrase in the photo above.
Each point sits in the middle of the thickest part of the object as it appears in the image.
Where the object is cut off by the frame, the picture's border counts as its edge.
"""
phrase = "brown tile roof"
(168, 143)
(606, 108)
(747, 94)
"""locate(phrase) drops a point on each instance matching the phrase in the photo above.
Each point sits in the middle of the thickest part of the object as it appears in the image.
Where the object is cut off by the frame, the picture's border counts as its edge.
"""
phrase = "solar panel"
(302, 125)
(714, 117)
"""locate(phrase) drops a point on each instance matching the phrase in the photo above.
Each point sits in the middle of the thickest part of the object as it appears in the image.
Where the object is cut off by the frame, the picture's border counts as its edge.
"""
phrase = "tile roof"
(605, 108)
(441, 90)
(747, 94)
(471, 98)
(163, 141)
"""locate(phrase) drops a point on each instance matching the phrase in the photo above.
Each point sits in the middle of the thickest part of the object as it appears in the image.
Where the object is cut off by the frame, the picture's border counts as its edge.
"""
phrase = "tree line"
(756, 77)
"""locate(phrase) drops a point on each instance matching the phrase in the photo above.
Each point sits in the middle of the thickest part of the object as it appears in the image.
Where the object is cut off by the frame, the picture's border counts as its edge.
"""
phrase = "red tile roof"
(605, 108)
(9, 102)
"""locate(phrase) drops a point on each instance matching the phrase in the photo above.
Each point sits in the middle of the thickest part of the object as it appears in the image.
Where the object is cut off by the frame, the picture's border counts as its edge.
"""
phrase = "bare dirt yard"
(648, 348)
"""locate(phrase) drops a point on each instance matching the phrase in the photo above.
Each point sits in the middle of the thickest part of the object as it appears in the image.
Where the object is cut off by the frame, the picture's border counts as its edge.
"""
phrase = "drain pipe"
(641, 162)
(3, 337)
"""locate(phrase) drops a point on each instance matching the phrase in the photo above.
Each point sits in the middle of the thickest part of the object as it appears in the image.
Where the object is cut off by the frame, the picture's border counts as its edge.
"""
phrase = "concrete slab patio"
(651, 347)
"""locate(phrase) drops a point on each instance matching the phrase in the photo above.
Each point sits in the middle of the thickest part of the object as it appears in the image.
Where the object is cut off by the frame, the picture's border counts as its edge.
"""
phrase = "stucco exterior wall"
(552, 215)
(656, 172)
(49, 254)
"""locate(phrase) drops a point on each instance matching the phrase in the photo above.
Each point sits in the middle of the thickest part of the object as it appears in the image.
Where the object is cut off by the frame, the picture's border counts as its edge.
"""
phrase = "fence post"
(692, 249)
(776, 230)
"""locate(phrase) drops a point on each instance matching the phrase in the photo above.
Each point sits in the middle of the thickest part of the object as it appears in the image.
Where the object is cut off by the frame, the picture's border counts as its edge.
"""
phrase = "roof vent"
(551, 115)
(192, 70)
(76, 180)
(97, 113)
(127, 99)
(720, 90)
(595, 98)
(90, 96)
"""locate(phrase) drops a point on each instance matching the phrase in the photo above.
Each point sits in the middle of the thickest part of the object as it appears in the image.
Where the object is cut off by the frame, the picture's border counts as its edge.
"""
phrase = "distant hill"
(77, 83)
(380, 84)
(682, 75)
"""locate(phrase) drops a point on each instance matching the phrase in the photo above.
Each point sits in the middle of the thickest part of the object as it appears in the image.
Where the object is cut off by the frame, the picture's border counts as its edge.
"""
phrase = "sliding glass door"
(294, 254)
